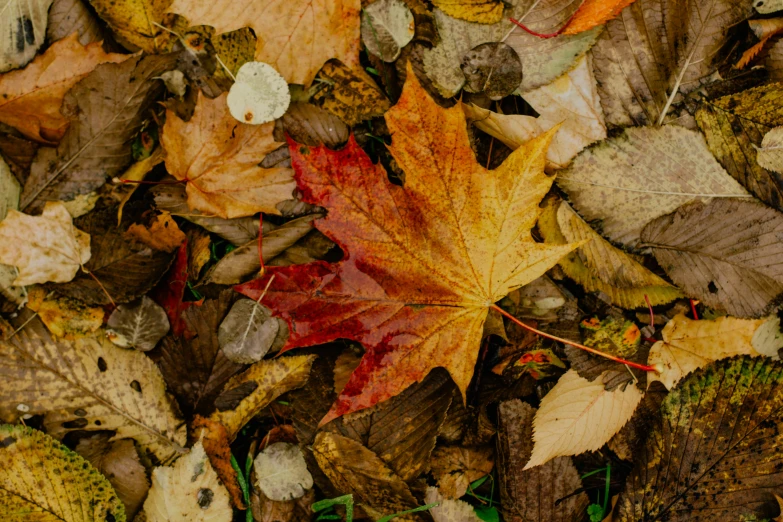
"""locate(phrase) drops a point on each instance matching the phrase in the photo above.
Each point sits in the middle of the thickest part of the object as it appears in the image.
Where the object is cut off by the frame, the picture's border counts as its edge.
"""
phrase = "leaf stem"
(572, 343)
(530, 31)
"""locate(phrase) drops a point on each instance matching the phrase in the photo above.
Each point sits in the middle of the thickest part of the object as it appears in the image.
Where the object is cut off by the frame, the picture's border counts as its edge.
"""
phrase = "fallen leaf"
(81, 204)
(387, 27)
(593, 13)
(266, 510)
(764, 30)
(188, 491)
(134, 22)
(235, 49)
(479, 11)
(448, 510)
(540, 300)
(43, 480)
(126, 270)
(139, 325)
(734, 125)
(281, 472)
(326, 28)
(768, 6)
(259, 94)
(214, 438)
(170, 293)
(22, 31)
(43, 248)
(455, 468)
(19, 153)
(89, 384)
(629, 180)
(311, 125)
(101, 125)
(219, 158)
(354, 469)
(688, 345)
(442, 297)
(727, 253)
(717, 418)
(160, 233)
(199, 253)
(64, 317)
(350, 94)
(492, 68)
(655, 50)
(248, 332)
(577, 416)
(119, 462)
(73, 16)
(549, 492)
(770, 154)
(598, 266)
(570, 102)
(32, 96)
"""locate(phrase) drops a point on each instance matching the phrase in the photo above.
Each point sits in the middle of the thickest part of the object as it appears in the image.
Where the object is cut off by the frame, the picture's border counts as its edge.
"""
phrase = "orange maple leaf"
(423, 262)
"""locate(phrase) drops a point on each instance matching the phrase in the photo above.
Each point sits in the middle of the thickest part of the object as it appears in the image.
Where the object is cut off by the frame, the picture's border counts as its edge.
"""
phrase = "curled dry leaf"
(688, 345)
(40, 479)
(43, 248)
(32, 96)
(248, 332)
(350, 94)
(598, 266)
(629, 180)
(448, 510)
(140, 325)
(455, 467)
(22, 31)
(577, 416)
(770, 154)
(727, 253)
(188, 491)
(89, 384)
(472, 256)
(492, 68)
(714, 449)
(219, 158)
(570, 103)
(259, 94)
(387, 27)
(281, 472)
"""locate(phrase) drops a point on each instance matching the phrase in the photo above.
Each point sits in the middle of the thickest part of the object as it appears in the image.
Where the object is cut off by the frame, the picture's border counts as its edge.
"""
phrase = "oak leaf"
(296, 37)
(219, 158)
(43, 248)
(424, 262)
(32, 96)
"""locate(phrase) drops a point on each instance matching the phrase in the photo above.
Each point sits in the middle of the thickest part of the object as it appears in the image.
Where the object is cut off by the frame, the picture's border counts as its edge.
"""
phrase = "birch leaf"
(387, 27)
(248, 332)
(281, 472)
(577, 416)
(259, 94)
(770, 154)
(139, 325)
(22, 31)
(688, 345)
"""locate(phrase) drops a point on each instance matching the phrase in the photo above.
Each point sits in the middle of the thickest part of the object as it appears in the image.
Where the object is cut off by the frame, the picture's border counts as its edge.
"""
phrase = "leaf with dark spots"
(714, 450)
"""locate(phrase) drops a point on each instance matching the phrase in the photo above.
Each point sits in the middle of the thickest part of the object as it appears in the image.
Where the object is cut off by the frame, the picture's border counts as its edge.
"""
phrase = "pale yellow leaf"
(770, 154)
(22, 31)
(578, 415)
(449, 510)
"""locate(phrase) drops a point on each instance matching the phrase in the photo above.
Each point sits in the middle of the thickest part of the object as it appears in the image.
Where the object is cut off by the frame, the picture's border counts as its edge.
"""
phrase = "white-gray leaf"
(282, 473)
(387, 27)
(22, 31)
(248, 332)
(140, 324)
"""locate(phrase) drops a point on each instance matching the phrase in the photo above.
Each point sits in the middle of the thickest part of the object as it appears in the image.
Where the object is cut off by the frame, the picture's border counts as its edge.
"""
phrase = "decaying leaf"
(40, 479)
(140, 325)
(88, 384)
(248, 332)
(597, 265)
(577, 416)
(492, 68)
(420, 255)
(770, 154)
(281, 472)
(214, 438)
(134, 22)
(188, 491)
(713, 452)
(448, 510)
(43, 248)
(259, 94)
(456, 467)
(544, 493)
(629, 180)
(727, 253)
(160, 232)
(387, 27)
(219, 158)
(688, 345)
(32, 96)
(326, 28)
(22, 31)
(734, 125)
(73, 16)
(64, 317)
(350, 94)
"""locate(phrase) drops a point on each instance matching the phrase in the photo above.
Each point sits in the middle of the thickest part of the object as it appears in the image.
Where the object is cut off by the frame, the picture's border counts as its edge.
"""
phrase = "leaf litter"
(447, 260)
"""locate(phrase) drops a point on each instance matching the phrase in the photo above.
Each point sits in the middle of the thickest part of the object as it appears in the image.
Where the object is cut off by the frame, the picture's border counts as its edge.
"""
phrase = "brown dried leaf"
(160, 233)
(350, 94)
(73, 16)
(455, 467)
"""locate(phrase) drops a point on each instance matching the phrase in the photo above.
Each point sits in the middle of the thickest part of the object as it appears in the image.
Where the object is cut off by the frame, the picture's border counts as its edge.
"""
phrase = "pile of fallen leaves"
(445, 260)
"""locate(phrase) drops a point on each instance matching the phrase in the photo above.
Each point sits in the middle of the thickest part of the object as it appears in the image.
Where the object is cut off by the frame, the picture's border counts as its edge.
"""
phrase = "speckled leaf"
(770, 154)
(350, 94)
(22, 31)
(492, 68)
(479, 11)
(387, 27)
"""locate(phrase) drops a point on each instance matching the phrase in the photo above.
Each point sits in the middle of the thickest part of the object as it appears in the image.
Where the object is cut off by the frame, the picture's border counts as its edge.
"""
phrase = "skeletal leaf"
(248, 332)
(387, 27)
(281, 472)
(643, 173)
(43, 248)
(350, 94)
(727, 253)
(40, 479)
(571, 101)
(22, 31)
(89, 384)
(599, 266)
(770, 154)
(448, 510)
(688, 345)
(259, 94)
(577, 416)
(493, 68)
(73, 16)
(188, 491)
(713, 451)
(140, 324)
